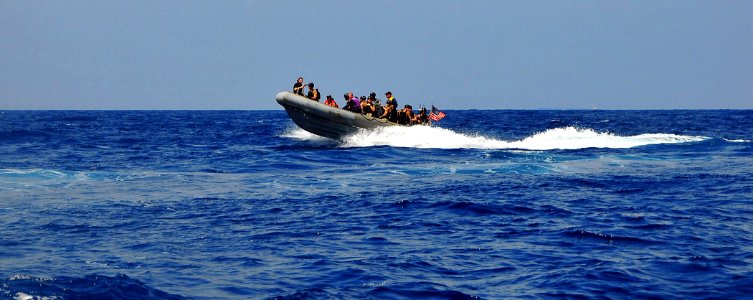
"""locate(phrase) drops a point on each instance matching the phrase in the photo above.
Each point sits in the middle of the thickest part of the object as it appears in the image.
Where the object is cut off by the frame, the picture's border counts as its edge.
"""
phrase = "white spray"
(440, 138)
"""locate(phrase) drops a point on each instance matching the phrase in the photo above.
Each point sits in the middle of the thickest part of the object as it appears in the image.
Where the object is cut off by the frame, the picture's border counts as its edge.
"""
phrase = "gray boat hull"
(323, 120)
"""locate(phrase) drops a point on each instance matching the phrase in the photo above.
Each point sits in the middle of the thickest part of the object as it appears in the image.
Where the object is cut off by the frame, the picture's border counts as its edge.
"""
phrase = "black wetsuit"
(378, 111)
(403, 117)
(392, 116)
(298, 91)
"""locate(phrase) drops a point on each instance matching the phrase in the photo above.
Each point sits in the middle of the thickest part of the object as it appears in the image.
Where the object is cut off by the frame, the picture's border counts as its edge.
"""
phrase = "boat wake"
(565, 138)
(296, 133)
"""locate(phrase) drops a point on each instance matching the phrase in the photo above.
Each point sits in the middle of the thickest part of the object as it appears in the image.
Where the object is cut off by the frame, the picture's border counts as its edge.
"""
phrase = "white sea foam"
(295, 132)
(737, 141)
(557, 138)
(23, 296)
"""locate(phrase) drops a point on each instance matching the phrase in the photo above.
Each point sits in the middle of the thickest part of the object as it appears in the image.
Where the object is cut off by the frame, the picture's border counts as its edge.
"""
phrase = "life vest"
(392, 101)
(330, 102)
(404, 118)
(314, 95)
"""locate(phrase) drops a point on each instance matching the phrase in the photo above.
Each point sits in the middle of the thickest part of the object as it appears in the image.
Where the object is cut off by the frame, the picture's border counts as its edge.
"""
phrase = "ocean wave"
(608, 238)
(23, 135)
(88, 287)
(564, 138)
(473, 208)
(418, 290)
(736, 140)
(313, 293)
(207, 211)
(48, 178)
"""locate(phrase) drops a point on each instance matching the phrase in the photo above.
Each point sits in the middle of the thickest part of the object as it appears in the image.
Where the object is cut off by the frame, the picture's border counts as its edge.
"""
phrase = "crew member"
(330, 101)
(313, 93)
(422, 118)
(405, 116)
(390, 108)
(298, 86)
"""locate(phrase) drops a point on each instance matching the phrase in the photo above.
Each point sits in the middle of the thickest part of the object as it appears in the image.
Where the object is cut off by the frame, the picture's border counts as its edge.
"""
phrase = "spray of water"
(296, 133)
(440, 138)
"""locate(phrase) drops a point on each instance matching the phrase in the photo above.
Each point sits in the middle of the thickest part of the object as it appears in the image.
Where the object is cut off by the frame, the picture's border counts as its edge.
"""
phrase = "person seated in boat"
(374, 99)
(422, 118)
(405, 116)
(330, 101)
(298, 87)
(367, 106)
(351, 104)
(390, 108)
(356, 101)
(390, 113)
(313, 93)
(375, 103)
(348, 103)
(390, 100)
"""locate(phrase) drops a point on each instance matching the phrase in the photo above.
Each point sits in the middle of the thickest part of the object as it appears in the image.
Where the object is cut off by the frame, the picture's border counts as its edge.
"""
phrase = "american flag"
(435, 114)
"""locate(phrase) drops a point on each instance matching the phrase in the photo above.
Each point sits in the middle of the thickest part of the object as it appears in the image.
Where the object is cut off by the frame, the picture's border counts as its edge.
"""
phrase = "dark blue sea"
(487, 204)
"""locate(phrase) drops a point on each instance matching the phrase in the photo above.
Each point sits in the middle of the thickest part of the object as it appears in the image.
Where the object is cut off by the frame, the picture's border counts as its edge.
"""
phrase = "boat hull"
(324, 120)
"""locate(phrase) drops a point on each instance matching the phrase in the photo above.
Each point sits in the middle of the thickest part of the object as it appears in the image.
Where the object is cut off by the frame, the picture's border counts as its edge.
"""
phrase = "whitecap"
(736, 141)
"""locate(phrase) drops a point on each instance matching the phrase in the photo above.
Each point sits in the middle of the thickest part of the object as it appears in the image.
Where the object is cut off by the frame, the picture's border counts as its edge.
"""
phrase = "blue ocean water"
(488, 204)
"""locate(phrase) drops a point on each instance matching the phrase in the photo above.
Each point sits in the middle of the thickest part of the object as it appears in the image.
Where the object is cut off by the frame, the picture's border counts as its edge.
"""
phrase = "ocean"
(487, 204)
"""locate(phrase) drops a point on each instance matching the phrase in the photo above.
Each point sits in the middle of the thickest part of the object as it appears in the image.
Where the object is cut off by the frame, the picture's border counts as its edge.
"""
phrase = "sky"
(453, 54)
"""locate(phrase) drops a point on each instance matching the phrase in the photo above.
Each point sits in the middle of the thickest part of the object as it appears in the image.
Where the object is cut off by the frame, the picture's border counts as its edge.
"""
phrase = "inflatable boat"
(323, 120)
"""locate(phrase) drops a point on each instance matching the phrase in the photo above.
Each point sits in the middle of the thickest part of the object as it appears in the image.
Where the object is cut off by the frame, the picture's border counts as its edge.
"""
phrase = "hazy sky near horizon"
(455, 54)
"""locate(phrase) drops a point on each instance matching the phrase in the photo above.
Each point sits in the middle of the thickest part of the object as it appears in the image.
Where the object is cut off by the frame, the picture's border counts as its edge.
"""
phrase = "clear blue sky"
(454, 54)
